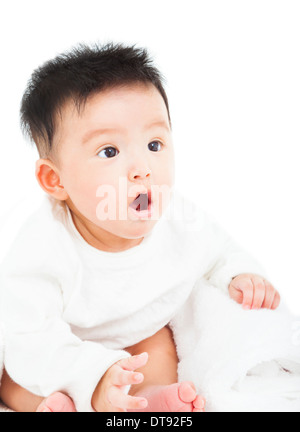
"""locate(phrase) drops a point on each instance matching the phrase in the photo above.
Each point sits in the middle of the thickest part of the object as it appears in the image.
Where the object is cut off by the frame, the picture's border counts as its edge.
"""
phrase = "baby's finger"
(122, 377)
(246, 286)
(276, 301)
(120, 400)
(134, 362)
(235, 294)
(269, 296)
(259, 292)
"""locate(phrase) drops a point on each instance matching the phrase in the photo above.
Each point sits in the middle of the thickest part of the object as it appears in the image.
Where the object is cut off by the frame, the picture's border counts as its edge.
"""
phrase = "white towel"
(239, 360)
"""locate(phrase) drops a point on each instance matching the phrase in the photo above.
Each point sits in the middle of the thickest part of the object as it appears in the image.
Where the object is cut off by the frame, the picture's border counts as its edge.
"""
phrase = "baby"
(96, 274)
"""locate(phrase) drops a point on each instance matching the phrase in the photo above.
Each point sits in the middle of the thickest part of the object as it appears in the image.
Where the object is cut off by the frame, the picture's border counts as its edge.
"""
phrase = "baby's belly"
(129, 330)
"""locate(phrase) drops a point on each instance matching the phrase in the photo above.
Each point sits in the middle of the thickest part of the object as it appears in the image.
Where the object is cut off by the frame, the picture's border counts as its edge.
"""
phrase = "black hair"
(76, 75)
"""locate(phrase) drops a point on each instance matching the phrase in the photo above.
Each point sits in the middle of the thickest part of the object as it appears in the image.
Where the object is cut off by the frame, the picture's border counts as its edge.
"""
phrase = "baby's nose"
(138, 173)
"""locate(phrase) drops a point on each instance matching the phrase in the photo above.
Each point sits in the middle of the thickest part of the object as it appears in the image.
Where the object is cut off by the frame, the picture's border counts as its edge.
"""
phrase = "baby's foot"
(178, 397)
(57, 402)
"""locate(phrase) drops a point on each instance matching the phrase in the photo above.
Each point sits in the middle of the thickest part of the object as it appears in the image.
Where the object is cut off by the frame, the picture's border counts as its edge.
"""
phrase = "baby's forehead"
(115, 108)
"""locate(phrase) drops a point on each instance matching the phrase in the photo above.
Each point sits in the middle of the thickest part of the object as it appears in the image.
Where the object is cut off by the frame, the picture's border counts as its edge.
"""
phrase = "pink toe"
(186, 392)
(57, 402)
(199, 402)
(192, 385)
(44, 409)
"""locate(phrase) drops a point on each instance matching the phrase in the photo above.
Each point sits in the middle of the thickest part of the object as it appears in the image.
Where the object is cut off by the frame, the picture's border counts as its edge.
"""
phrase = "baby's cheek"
(84, 196)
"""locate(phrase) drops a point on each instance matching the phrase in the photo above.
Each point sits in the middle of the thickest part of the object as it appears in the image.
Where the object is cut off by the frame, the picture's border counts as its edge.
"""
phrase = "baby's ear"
(49, 179)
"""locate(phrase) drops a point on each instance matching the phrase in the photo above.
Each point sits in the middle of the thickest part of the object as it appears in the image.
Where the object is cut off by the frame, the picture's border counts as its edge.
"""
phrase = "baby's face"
(103, 171)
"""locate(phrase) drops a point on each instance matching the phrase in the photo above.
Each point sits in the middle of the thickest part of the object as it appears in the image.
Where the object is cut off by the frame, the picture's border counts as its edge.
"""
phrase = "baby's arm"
(42, 354)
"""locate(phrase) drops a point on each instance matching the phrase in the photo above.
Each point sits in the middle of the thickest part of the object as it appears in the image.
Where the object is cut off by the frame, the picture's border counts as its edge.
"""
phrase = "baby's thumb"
(134, 362)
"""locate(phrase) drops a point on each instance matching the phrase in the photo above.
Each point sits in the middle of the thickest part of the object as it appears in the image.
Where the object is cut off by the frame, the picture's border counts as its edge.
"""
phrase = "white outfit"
(68, 310)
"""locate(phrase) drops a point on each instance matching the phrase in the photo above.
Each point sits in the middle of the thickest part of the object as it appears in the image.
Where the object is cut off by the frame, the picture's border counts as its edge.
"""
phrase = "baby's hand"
(109, 397)
(253, 292)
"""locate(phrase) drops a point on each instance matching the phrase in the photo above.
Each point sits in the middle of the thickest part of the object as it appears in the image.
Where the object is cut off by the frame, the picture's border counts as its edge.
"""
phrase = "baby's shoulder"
(41, 237)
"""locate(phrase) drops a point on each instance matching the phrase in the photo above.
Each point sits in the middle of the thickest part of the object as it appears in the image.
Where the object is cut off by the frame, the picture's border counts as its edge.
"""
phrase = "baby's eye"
(108, 152)
(155, 146)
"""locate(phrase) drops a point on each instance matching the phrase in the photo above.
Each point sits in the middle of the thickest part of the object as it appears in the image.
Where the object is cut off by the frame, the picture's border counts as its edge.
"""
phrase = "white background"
(232, 70)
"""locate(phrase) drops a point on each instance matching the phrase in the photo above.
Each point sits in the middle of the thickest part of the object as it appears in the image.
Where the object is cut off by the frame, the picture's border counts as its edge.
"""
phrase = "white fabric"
(247, 361)
(69, 310)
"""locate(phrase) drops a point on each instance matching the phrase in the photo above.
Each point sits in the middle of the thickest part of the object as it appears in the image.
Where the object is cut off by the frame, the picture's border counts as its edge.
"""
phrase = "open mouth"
(142, 202)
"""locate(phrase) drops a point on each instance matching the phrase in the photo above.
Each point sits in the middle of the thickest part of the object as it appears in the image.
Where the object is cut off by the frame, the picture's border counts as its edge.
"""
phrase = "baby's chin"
(131, 230)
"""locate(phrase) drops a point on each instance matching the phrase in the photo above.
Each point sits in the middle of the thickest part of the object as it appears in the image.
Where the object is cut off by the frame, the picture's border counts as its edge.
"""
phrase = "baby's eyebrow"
(87, 137)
